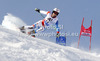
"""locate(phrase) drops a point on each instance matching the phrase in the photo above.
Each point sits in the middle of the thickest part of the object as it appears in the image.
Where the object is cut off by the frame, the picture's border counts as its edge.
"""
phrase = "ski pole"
(42, 15)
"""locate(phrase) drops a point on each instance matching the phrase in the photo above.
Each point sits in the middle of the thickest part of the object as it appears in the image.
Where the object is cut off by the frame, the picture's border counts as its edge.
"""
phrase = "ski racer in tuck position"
(50, 19)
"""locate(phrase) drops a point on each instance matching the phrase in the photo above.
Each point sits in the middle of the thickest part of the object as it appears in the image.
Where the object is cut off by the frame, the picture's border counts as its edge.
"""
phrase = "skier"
(50, 19)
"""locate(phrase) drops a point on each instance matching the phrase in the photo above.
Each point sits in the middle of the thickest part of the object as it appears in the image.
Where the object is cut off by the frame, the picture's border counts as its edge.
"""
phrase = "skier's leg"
(39, 27)
(25, 27)
(28, 27)
(32, 26)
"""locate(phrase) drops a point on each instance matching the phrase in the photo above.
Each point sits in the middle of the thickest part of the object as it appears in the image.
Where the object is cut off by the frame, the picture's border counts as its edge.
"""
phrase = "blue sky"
(71, 15)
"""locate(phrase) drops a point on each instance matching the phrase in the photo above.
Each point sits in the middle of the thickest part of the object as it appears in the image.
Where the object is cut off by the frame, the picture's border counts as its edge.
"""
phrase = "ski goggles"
(55, 12)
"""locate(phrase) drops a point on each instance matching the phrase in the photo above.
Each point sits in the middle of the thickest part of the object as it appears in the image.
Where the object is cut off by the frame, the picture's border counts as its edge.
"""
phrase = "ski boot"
(22, 29)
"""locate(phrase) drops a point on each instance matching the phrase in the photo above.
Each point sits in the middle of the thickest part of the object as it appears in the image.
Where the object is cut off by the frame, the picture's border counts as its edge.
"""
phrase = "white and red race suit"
(48, 20)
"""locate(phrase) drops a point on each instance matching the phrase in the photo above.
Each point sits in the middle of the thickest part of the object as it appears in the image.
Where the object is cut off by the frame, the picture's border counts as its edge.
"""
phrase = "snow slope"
(16, 46)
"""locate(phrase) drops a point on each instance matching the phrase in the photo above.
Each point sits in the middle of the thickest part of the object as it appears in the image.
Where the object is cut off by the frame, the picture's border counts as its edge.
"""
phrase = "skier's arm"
(42, 11)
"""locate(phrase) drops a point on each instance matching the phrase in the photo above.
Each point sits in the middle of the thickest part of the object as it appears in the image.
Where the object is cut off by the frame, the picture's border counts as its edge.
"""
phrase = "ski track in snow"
(16, 46)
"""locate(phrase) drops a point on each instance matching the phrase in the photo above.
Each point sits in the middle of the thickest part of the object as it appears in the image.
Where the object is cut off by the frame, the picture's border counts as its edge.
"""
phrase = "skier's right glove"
(38, 10)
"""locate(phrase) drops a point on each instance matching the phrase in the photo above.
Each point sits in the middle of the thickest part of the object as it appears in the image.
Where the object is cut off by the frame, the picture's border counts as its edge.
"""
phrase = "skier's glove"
(38, 10)
(57, 35)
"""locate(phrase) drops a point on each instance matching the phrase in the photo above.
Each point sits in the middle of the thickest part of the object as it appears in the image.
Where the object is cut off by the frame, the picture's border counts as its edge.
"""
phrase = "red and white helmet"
(56, 10)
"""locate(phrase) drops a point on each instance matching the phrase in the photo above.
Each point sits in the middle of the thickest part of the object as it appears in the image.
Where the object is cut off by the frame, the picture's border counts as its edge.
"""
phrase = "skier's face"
(54, 14)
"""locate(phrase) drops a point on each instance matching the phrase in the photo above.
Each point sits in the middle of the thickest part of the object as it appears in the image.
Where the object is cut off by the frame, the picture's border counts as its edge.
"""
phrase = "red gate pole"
(90, 45)
(78, 41)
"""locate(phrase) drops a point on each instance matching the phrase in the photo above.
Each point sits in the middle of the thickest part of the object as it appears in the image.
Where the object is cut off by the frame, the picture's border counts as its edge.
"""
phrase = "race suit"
(47, 21)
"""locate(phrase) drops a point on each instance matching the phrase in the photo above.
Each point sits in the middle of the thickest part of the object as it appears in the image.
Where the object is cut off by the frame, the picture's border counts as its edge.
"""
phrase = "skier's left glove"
(57, 35)
(38, 10)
